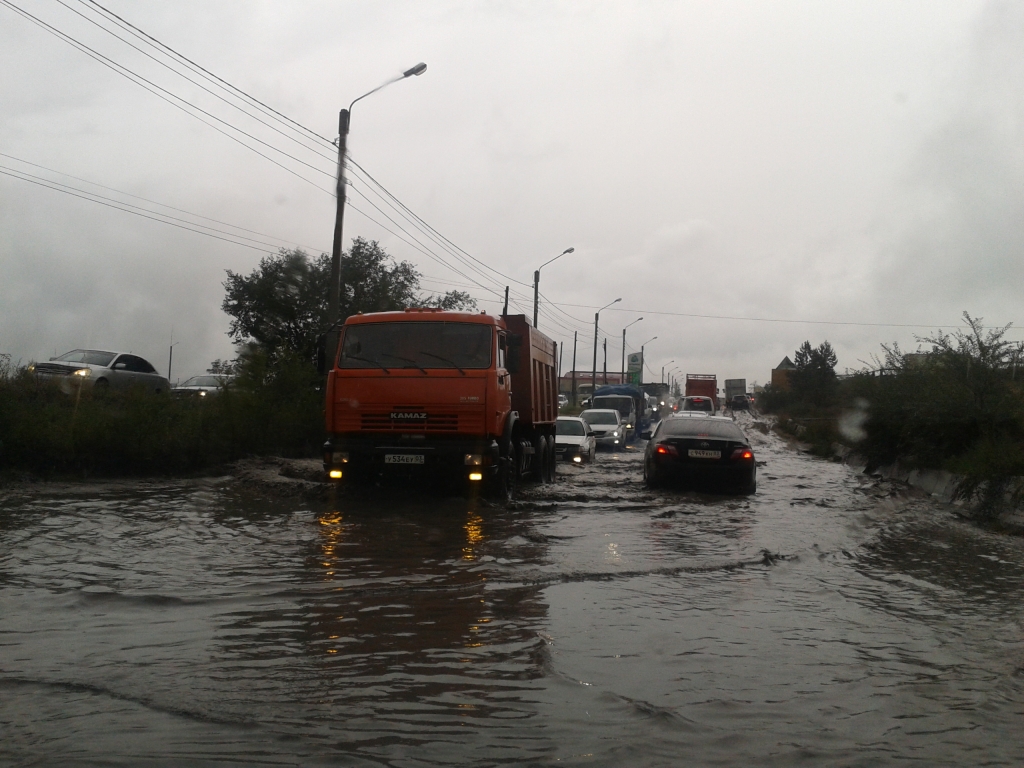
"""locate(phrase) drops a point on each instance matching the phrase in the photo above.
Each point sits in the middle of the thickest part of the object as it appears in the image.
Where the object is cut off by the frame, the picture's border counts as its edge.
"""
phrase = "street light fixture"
(624, 348)
(593, 379)
(536, 281)
(334, 296)
(663, 370)
(642, 361)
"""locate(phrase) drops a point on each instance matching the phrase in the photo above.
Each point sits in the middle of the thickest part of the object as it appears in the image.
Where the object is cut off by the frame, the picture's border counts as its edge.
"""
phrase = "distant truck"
(734, 387)
(427, 393)
(702, 385)
(629, 401)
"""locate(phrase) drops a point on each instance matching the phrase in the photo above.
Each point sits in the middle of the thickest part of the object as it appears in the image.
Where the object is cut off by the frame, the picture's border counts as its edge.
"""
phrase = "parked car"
(740, 402)
(711, 450)
(201, 386)
(607, 426)
(697, 403)
(563, 400)
(99, 370)
(574, 440)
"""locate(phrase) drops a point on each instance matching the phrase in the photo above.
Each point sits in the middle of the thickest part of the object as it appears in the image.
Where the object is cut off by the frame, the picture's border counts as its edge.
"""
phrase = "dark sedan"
(709, 450)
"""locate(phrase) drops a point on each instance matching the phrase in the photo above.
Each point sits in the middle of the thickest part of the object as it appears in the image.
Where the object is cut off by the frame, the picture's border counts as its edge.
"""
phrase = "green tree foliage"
(282, 305)
(957, 406)
(814, 380)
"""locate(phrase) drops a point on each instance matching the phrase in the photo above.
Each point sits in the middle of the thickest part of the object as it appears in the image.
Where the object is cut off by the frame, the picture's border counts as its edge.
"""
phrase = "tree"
(282, 305)
(814, 379)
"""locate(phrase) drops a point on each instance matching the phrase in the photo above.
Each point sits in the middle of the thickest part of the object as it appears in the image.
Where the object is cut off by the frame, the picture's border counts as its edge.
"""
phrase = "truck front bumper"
(347, 456)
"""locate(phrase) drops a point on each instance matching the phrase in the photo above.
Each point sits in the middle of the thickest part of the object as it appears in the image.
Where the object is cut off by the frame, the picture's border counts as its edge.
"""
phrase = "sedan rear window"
(724, 430)
(599, 417)
(569, 428)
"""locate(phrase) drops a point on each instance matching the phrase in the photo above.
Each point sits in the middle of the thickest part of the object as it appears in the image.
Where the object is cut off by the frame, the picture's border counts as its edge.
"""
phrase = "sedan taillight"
(743, 454)
(666, 450)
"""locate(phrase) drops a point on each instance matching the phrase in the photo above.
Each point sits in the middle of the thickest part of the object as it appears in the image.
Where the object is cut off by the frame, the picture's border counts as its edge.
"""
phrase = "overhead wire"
(159, 91)
(50, 185)
(154, 202)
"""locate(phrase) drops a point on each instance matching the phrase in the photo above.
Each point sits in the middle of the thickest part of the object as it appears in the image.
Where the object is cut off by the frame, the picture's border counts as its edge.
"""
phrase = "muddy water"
(829, 620)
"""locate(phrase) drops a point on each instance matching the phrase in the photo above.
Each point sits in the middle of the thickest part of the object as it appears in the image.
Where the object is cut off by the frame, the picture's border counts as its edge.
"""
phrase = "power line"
(119, 207)
(150, 86)
(153, 202)
(132, 31)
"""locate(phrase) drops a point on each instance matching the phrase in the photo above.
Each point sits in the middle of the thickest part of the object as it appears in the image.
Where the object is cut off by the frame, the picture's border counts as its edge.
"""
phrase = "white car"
(574, 440)
(563, 400)
(607, 426)
(99, 370)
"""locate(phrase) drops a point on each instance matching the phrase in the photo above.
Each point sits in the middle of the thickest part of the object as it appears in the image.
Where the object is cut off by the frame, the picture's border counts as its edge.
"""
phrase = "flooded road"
(829, 620)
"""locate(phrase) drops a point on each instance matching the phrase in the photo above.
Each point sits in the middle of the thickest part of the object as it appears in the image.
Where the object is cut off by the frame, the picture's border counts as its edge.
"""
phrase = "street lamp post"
(334, 296)
(642, 357)
(593, 379)
(624, 348)
(663, 370)
(536, 282)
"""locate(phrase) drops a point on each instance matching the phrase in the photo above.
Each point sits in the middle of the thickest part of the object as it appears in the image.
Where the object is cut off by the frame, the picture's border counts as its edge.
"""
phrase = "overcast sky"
(852, 162)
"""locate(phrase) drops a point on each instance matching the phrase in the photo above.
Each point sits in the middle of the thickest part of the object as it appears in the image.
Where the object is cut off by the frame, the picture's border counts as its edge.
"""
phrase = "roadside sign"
(633, 363)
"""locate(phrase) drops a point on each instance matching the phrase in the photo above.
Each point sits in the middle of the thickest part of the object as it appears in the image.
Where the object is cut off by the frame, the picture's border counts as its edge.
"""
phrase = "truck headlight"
(335, 474)
(615, 433)
(339, 457)
(473, 460)
(476, 476)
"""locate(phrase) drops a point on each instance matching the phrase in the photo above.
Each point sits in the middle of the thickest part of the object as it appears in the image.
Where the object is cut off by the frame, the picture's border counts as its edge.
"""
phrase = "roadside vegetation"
(957, 406)
(273, 404)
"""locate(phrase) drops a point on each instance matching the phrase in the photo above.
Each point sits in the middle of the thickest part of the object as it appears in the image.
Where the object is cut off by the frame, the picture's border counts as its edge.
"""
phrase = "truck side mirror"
(321, 354)
(515, 347)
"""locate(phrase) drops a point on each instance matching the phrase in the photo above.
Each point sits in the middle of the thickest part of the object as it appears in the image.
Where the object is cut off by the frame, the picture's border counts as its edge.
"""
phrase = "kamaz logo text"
(408, 415)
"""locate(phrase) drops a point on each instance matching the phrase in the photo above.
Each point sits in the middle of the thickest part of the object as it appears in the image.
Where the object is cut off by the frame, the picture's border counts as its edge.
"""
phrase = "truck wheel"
(508, 476)
(552, 460)
(540, 460)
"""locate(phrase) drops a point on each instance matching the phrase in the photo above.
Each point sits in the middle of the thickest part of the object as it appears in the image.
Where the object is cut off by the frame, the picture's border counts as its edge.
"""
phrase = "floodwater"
(829, 620)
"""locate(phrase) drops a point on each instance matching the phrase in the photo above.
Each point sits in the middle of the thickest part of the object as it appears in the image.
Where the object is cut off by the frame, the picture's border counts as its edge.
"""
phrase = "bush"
(274, 410)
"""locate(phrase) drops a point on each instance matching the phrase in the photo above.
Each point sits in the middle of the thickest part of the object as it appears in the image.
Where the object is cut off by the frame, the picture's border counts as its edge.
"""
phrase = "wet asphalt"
(830, 619)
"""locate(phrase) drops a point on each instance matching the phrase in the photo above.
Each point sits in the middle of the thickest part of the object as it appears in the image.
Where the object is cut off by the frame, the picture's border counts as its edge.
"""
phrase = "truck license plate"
(403, 458)
(694, 453)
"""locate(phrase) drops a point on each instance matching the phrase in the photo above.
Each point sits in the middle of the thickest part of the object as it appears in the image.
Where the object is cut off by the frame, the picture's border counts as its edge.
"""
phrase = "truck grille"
(435, 422)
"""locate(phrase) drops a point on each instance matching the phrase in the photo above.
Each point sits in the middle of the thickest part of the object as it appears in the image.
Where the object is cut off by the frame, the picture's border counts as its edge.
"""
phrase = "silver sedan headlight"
(83, 372)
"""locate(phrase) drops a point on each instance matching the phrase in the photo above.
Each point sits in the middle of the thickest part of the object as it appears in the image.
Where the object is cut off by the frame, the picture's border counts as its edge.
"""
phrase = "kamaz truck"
(431, 394)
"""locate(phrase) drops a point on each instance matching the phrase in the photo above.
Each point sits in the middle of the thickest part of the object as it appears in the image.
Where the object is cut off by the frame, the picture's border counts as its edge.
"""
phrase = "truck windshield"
(622, 404)
(420, 344)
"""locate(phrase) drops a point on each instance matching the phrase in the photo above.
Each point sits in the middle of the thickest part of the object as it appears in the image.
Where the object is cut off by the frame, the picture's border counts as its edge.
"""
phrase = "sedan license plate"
(695, 453)
(403, 458)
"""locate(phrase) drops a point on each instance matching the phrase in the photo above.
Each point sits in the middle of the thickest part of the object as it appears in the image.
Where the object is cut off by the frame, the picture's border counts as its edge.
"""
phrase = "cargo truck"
(425, 393)
(734, 387)
(702, 385)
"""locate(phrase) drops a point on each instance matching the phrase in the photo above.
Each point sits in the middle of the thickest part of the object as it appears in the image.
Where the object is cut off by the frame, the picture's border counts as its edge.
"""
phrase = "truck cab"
(450, 395)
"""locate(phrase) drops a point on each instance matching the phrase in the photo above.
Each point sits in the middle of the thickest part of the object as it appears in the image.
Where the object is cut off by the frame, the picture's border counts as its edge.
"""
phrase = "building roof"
(785, 365)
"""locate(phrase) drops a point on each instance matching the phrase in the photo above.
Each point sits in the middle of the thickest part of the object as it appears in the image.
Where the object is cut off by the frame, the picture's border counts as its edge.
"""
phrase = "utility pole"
(593, 373)
(334, 293)
(574, 334)
(334, 309)
(606, 360)
(505, 310)
(170, 359)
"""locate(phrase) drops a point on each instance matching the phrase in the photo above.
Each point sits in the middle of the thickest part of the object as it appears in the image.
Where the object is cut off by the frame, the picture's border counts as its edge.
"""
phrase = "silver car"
(201, 386)
(607, 425)
(98, 369)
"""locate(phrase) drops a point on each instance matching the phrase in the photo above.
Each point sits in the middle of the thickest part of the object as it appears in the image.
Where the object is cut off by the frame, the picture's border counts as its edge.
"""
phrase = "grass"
(47, 432)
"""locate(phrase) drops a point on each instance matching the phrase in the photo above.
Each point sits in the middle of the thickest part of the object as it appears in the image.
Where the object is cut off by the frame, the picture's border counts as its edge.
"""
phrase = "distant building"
(583, 383)
(781, 373)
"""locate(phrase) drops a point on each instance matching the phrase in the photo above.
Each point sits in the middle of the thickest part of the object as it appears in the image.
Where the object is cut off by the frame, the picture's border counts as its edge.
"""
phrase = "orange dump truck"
(426, 393)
